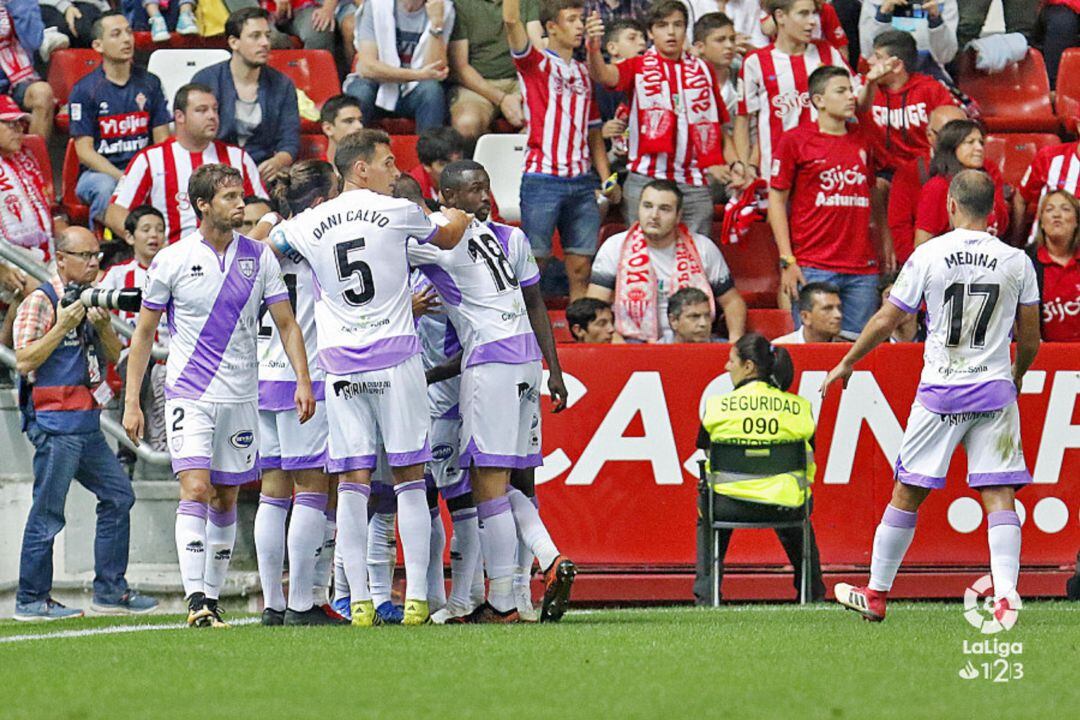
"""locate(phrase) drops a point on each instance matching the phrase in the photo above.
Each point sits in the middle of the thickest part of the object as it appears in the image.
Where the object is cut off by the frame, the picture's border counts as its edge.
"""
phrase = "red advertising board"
(619, 481)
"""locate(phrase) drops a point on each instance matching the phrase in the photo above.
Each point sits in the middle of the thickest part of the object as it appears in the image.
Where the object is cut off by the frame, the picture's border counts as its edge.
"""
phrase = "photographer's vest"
(61, 400)
(758, 413)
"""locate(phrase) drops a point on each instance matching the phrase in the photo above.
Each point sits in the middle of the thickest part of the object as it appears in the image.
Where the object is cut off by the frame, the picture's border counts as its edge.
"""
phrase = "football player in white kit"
(211, 285)
(489, 286)
(292, 455)
(976, 288)
(375, 388)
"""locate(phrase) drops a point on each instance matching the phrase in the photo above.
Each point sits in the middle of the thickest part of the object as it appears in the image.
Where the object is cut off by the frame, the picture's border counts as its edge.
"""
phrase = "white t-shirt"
(606, 264)
(355, 245)
(972, 284)
(480, 283)
(212, 305)
(438, 343)
(277, 379)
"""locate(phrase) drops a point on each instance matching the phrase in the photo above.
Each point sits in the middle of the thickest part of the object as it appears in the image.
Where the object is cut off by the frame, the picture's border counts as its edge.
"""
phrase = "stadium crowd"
(675, 150)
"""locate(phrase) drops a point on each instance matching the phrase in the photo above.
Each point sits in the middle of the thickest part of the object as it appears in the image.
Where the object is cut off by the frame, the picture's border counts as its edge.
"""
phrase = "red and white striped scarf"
(25, 216)
(14, 62)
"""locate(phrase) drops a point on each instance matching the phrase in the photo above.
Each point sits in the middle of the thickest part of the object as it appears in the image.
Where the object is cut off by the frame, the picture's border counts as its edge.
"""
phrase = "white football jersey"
(355, 245)
(479, 282)
(212, 306)
(277, 380)
(438, 343)
(972, 284)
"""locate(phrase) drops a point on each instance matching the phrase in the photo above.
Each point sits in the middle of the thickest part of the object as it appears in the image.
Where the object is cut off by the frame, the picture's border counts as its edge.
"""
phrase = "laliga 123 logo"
(979, 608)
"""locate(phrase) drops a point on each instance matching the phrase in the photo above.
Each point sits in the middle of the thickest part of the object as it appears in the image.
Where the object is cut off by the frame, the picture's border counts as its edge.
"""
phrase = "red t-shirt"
(903, 116)
(829, 179)
(933, 215)
(1060, 298)
(904, 192)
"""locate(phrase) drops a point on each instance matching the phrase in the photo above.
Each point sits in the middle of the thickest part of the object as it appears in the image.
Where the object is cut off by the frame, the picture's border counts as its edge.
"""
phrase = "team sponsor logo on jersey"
(442, 451)
(242, 439)
(247, 266)
(349, 390)
(183, 204)
(1059, 310)
(196, 271)
(527, 392)
(908, 116)
(786, 103)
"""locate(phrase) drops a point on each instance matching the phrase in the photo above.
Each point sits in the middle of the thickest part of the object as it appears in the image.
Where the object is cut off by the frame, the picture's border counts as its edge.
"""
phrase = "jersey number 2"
(347, 267)
(955, 297)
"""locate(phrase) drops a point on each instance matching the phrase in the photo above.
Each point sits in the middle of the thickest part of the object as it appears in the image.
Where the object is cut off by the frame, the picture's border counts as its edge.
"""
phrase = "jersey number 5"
(347, 267)
(955, 296)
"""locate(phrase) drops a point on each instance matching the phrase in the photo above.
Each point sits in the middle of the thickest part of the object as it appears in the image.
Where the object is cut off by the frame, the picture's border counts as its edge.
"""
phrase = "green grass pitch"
(750, 661)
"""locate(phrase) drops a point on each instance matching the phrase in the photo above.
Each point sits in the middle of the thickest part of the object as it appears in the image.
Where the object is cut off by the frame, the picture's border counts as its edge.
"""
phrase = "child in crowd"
(436, 148)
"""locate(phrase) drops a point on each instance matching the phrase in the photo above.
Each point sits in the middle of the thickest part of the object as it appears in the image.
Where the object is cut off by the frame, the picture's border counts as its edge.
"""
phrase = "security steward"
(61, 348)
(758, 411)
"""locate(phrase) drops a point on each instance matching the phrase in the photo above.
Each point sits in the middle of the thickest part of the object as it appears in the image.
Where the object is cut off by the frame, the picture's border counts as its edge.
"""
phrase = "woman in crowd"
(759, 410)
(960, 146)
(1056, 255)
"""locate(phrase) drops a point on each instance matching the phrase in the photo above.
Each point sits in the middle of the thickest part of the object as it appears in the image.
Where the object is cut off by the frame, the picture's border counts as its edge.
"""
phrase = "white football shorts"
(285, 444)
(220, 437)
(500, 415)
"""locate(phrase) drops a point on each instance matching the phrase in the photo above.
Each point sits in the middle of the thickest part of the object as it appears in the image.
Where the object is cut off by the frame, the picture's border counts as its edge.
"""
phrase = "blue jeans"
(58, 459)
(136, 14)
(859, 297)
(568, 204)
(95, 189)
(426, 104)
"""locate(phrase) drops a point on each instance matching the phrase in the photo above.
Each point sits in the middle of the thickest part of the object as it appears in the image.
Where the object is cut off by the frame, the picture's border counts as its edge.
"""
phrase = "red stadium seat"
(609, 229)
(36, 145)
(770, 322)
(1016, 99)
(67, 67)
(1068, 89)
(312, 71)
(1013, 152)
(396, 126)
(145, 44)
(77, 211)
(559, 327)
(313, 146)
(404, 149)
(754, 263)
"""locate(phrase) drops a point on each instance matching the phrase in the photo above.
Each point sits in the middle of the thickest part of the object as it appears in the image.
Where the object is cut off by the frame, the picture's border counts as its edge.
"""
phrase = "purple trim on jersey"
(202, 366)
(221, 477)
(193, 508)
(502, 234)
(195, 462)
(410, 458)
(170, 317)
(530, 281)
(411, 485)
(223, 518)
(902, 305)
(156, 307)
(278, 395)
(454, 413)
(379, 355)
(316, 288)
(280, 297)
(272, 462)
(318, 461)
(490, 508)
(895, 517)
(358, 488)
(1002, 517)
(282, 503)
(313, 500)
(457, 489)
(514, 350)
(442, 281)
(1029, 304)
(1012, 477)
(434, 230)
(463, 514)
(451, 341)
(348, 464)
(978, 397)
(473, 455)
(923, 481)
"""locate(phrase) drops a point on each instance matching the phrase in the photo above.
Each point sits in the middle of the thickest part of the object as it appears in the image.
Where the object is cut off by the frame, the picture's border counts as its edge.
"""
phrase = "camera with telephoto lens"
(126, 299)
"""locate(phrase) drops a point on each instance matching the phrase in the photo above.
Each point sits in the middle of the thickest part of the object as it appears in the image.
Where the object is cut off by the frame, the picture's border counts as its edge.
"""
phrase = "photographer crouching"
(62, 347)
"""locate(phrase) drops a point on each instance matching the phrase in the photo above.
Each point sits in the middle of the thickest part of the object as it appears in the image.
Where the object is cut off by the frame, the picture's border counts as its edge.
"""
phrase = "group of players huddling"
(347, 276)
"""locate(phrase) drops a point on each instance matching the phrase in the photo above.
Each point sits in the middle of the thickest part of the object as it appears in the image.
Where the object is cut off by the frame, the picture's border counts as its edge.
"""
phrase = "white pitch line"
(114, 630)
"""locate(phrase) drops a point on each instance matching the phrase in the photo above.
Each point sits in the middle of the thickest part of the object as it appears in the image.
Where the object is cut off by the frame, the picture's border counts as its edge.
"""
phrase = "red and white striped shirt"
(559, 110)
(776, 86)
(682, 166)
(1056, 167)
(132, 274)
(159, 176)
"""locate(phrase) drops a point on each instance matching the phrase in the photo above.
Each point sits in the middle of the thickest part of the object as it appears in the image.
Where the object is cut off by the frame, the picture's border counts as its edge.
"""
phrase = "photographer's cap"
(10, 111)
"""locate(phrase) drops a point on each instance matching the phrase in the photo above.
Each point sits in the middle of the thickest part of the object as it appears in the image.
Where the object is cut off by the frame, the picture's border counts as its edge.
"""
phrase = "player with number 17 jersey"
(368, 347)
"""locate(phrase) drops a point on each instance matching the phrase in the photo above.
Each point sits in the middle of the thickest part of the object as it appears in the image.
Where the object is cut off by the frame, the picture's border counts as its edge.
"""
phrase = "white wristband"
(271, 217)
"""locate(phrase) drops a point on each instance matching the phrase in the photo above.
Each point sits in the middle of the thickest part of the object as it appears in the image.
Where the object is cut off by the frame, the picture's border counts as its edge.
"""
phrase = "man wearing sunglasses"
(61, 351)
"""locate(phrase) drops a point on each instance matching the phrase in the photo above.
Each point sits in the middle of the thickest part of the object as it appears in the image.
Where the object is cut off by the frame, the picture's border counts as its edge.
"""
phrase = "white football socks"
(191, 544)
(464, 558)
(220, 538)
(498, 543)
(436, 593)
(382, 554)
(891, 542)
(1003, 534)
(324, 560)
(305, 540)
(270, 548)
(352, 536)
(531, 529)
(414, 526)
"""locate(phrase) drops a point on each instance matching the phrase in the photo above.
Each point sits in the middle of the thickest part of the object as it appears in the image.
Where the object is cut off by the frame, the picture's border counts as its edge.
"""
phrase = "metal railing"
(36, 270)
(108, 425)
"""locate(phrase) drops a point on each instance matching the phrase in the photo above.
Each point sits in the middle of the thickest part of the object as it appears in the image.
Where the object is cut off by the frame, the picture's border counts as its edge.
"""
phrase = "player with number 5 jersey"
(368, 347)
(976, 288)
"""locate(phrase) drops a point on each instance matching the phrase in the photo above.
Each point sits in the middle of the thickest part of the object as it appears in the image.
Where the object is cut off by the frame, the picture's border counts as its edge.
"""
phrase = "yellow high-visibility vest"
(758, 413)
